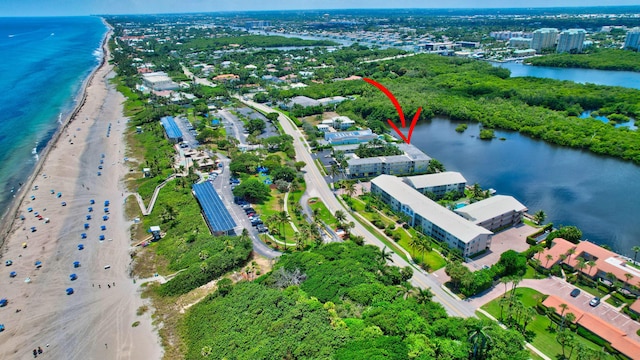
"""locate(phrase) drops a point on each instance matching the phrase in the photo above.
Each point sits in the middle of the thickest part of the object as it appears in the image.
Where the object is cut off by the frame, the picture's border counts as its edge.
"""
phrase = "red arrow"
(398, 109)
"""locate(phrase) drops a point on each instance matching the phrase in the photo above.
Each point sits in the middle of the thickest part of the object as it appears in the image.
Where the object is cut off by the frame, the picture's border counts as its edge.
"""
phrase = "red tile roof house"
(617, 338)
(606, 261)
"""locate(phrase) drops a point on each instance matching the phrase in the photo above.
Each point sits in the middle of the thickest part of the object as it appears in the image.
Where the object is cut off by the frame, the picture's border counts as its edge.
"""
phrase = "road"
(221, 184)
(199, 81)
(317, 187)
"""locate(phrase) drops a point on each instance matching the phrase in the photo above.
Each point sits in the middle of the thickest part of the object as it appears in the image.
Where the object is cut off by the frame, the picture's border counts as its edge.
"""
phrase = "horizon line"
(336, 9)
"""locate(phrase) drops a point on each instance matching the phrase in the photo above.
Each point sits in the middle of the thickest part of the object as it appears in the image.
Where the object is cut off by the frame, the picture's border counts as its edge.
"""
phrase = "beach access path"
(95, 322)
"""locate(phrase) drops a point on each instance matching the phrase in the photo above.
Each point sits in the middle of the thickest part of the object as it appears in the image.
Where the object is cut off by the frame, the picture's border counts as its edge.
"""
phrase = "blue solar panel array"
(171, 128)
(216, 214)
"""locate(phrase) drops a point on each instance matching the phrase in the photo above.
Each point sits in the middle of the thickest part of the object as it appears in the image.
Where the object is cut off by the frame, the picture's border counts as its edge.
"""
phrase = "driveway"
(221, 184)
(561, 289)
(513, 238)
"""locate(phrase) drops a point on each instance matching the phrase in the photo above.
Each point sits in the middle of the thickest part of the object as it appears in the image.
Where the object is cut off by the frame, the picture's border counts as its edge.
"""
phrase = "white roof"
(431, 180)
(490, 208)
(438, 215)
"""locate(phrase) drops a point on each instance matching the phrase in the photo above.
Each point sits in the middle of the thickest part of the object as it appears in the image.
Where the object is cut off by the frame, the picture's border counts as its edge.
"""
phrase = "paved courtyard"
(513, 238)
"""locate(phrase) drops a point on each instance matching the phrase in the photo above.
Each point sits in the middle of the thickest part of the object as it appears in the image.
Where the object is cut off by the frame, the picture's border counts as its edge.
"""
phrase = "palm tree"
(581, 265)
(549, 312)
(636, 250)
(384, 256)
(539, 217)
(569, 253)
(505, 280)
(529, 314)
(351, 189)
(406, 290)
(591, 264)
(570, 318)
(480, 343)
(424, 295)
(299, 238)
(628, 277)
(502, 302)
(283, 218)
(424, 245)
(340, 216)
(549, 257)
(564, 307)
(514, 284)
(414, 243)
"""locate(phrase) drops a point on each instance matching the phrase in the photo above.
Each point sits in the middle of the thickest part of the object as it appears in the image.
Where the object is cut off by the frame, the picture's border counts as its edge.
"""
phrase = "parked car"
(594, 302)
(262, 228)
(575, 292)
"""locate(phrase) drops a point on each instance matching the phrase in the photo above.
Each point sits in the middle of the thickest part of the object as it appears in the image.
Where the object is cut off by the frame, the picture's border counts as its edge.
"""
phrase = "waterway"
(600, 77)
(595, 193)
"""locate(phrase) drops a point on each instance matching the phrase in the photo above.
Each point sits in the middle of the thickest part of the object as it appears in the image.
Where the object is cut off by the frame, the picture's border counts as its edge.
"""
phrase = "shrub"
(135, 324)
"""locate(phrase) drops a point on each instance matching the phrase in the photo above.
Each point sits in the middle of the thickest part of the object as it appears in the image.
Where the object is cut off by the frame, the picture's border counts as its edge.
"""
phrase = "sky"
(88, 7)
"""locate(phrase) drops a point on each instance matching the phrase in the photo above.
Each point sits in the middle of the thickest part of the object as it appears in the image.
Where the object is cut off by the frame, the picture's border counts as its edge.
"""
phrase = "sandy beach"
(95, 322)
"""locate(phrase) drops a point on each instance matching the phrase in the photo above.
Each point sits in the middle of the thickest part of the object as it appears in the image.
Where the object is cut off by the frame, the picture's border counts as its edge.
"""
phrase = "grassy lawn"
(324, 215)
(531, 273)
(432, 259)
(544, 339)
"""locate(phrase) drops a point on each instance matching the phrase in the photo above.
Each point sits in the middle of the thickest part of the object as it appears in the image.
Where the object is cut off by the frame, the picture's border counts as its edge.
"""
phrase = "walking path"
(293, 226)
(146, 211)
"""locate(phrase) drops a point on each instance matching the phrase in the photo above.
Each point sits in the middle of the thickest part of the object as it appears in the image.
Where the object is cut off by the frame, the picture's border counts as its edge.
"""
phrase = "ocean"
(43, 62)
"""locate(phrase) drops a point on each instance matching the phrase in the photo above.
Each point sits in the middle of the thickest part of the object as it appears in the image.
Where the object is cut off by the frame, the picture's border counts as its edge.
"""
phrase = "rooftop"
(213, 208)
(431, 180)
(304, 101)
(605, 260)
(170, 127)
(342, 134)
(448, 221)
(615, 336)
(489, 208)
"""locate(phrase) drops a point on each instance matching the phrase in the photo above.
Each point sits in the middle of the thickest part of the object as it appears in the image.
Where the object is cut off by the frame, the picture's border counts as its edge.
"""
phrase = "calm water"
(43, 62)
(601, 77)
(596, 194)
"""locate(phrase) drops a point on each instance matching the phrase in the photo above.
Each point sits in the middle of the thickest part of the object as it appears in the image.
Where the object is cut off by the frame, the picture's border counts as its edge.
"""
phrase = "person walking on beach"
(105, 346)
(39, 350)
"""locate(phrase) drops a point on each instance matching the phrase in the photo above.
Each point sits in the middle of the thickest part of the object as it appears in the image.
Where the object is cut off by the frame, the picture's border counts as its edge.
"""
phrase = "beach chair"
(38, 264)
(106, 203)
(13, 274)
(101, 237)
(90, 209)
(92, 201)
(86, 225)
(76, 264)
(3, 302)
(105, 218)
(69, 291)
(80, 246)
(73, 277)
(103, 228)
(88, 217)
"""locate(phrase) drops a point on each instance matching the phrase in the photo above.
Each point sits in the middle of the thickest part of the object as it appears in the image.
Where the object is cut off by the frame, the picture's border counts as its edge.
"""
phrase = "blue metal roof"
(215, 212)
(171, 128)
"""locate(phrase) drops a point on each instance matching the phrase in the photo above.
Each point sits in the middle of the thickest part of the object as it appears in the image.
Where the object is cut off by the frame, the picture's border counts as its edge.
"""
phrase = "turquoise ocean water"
(43, 63)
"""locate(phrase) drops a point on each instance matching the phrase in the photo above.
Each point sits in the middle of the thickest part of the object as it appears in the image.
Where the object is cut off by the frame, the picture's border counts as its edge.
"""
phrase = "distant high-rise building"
(633, 39)
(571, 40)
(544, 38)
(520, 43)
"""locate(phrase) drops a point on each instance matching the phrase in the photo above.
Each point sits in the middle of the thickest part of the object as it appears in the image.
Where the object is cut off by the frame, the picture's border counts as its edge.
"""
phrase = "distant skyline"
(87, 7)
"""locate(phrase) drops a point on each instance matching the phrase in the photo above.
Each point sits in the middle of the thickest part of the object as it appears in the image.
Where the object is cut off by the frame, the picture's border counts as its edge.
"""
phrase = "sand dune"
(95, 321)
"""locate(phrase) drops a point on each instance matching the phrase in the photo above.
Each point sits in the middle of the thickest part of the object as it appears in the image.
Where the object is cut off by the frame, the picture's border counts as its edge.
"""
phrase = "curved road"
(317, 186)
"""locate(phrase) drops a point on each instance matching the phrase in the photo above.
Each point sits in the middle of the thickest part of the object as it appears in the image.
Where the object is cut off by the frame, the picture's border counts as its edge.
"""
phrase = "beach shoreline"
(80, 240)
(8, 219)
